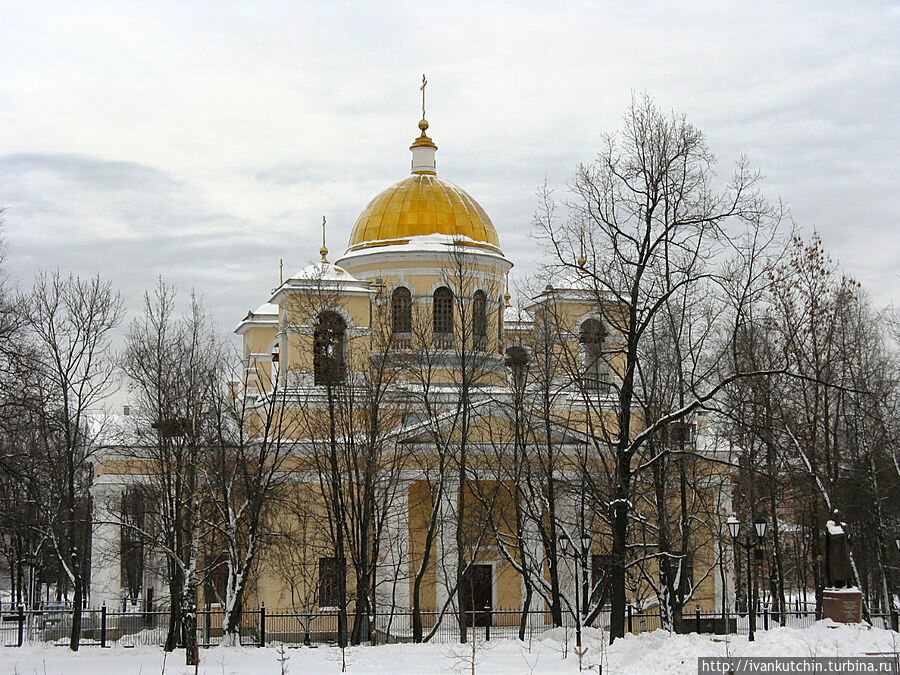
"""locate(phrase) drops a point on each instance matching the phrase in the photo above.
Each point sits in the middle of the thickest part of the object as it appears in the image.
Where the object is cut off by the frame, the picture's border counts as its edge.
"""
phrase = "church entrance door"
(478, 594)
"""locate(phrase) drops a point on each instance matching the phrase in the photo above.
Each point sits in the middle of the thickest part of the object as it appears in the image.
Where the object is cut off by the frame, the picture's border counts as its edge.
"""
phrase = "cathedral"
(436, 438)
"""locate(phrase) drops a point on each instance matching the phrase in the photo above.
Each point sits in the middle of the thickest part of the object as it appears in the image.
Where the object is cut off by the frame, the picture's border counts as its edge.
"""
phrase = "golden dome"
(423, 204)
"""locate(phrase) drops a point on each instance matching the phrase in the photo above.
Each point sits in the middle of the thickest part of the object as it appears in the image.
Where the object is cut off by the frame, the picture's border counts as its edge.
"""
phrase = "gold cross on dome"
(323, 251)
(422, 88)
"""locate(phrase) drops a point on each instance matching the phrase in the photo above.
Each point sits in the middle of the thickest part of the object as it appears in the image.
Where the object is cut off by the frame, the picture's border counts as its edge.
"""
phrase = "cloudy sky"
(204, 141)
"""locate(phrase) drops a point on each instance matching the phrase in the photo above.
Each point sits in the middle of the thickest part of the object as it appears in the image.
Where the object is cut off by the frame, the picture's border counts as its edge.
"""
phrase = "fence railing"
(261, 627)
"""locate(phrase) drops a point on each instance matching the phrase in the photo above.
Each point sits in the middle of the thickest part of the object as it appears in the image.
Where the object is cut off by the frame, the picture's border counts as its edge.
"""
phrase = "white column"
(392, 573)
(445, 558)
(568, 513)
(727, 561)
(106, 543)
(534, 561)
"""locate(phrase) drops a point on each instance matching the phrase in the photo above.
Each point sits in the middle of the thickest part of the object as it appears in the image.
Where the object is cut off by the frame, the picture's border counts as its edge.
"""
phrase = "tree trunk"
(231, 623)
(526, 605)
(176, 582)
(77, 601)
(619, 518)
(666, 581)
(461, 553)
(189, 625)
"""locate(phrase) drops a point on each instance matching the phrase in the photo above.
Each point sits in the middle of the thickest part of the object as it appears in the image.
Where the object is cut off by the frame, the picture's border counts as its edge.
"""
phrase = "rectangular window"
(601, 571)
(686, 580)
(681, 433)
(216, 584)
(329, 582)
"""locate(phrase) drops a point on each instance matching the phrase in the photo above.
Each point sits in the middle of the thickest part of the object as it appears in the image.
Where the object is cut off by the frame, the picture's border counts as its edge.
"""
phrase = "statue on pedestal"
(838, 571)
(841, 601)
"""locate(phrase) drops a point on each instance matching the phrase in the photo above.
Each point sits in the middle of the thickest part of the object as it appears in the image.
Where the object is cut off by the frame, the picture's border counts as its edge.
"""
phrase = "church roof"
(264, 315)
(517, 318)
(322, 276)
(423, 204)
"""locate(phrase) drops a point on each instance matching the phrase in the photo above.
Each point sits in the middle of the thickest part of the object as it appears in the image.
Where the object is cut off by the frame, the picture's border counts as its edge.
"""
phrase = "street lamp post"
(760, 525)
(585, 550)
(895, 620)
(564, 542)
(31, 562)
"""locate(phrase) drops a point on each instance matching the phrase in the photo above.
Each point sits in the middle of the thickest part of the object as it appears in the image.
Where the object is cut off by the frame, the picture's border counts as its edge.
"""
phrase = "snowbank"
(657, 652)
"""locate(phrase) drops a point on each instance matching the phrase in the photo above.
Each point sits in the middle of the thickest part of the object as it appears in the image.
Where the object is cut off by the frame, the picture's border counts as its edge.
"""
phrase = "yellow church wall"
(420, 505)
(260, 339)
(303, 308)
(464, 283)
(288, 572)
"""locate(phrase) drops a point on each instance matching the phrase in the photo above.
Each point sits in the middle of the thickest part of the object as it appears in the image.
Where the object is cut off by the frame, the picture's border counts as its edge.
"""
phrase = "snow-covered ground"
(656, 652)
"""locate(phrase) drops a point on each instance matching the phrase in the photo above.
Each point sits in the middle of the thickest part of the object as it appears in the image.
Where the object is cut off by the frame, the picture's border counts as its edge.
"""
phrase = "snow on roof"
(266, 309)
(517, 315)
(321, 276)
(432, 243)
(323, 271)
(265, 314)
(109, 429)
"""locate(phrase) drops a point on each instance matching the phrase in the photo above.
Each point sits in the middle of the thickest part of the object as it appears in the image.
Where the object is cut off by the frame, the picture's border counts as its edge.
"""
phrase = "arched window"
(595, 368)
(479, 320)
(328, 349)
(517, 363)
(401, 311)
(442, 312)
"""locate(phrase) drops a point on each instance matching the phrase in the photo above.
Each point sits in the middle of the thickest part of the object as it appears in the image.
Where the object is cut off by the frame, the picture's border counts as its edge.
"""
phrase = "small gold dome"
(422, 204)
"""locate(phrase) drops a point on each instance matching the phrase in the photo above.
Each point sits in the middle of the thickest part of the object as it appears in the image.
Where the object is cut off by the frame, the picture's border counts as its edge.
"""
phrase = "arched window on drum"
(479, 320)
(442, 316)
(401, 316)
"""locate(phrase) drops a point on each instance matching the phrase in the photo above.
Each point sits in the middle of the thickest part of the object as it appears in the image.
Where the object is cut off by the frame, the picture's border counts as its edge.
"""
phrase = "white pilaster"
(106, 544)
(445, 559)
(569, 521)
(534, 561)
(392, 574)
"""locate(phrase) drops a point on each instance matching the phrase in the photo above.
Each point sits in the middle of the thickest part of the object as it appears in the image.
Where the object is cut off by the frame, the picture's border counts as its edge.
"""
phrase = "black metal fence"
(261, 627)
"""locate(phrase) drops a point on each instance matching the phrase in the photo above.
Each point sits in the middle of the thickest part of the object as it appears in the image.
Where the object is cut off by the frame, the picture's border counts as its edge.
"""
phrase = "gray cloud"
(204, 142)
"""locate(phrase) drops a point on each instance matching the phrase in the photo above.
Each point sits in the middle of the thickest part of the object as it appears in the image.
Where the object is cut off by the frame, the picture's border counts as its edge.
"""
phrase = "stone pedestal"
(843, 605)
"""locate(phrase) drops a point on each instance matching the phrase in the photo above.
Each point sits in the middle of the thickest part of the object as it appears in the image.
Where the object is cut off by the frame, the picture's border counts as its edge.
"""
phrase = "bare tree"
(243, 475)
(822, 431)
(21, 408)
(70, 320)
(172, 364)
(650, 225)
